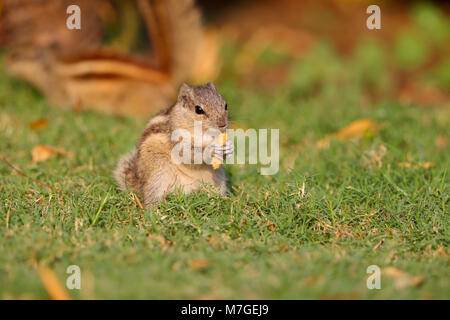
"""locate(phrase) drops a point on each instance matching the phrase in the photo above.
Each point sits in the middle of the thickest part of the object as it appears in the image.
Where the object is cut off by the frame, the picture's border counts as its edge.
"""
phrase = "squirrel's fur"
(76, 69)
(150, 170)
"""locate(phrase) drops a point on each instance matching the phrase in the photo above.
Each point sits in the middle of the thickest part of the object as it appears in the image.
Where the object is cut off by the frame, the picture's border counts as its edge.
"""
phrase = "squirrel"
(136, 72)
(150, 169)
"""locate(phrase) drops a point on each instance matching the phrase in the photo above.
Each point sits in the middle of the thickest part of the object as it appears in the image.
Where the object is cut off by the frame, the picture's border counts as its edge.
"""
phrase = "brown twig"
(26, 176)
(138, 201)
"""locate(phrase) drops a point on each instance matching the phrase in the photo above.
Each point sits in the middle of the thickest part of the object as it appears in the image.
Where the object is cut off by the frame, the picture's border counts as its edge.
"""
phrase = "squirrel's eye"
(199, 110)
(226, 106)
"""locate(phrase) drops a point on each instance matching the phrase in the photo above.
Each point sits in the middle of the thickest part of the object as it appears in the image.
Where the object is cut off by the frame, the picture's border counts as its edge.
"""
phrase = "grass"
(309, 231)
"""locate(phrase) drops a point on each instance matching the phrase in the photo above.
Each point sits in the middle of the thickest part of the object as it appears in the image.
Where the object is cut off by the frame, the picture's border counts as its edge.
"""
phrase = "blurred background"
(363, 117)
(130, 56)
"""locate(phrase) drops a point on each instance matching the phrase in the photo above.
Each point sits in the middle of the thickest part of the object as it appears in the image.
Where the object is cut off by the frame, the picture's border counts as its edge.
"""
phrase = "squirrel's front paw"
(226, 150)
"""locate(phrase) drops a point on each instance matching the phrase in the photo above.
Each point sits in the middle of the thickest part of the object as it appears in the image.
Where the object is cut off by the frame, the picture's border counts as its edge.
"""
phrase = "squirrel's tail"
(183, 33)
(126, 172)
(85, 73)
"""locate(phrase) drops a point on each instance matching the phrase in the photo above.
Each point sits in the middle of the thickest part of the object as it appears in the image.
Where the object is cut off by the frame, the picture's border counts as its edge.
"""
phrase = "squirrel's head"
(202, 103)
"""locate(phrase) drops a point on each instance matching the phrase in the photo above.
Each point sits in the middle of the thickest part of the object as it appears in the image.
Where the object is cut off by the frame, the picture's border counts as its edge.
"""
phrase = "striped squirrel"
(150, 170)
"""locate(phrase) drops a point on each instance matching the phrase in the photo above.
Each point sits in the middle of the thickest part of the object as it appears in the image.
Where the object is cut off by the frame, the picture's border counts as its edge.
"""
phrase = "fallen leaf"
(51, 283)
(377, 245)
(404, 164)
(375, 156)
(214, 241)
(162, 241)
(354, 131)
(323, 143)
(424, 165)
(314, 279)
(41, 200)
(441, 141)
(38, 124)
(42, 152)
(441, 252)
(401, 278)
(357, 129)
(427, 165)
(199, 264)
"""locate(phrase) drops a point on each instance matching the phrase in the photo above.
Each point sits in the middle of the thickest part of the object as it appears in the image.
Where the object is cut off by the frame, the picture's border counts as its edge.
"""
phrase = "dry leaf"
(162, 241)
(427, 164)
(323, 143)
(441, 141)
(311, 280)
(401, 278)
(404, 164)
(54, 288)
(376, 156)
(270, 225)
(41, 200)
(355, 130)
(441, 252)
(198, 264)
(214, 241)
(377, 245)
(424, 165)
(42, 152)
(38, 124)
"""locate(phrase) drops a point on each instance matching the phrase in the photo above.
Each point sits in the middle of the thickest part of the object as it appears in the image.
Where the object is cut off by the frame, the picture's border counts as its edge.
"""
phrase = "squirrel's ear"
(185, 92)
(185, 89)
(211, 85)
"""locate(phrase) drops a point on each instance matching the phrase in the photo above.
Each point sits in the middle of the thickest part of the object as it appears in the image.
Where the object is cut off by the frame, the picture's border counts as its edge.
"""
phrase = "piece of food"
(221, 139)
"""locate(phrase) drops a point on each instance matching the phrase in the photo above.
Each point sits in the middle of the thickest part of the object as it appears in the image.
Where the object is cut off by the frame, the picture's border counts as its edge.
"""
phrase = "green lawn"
(309, 231)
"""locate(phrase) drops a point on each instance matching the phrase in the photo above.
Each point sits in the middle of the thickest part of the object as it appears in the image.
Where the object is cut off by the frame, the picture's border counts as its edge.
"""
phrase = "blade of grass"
(102, 204)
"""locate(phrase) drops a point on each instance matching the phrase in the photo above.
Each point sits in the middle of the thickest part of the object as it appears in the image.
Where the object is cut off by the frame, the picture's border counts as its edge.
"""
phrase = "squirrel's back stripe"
(158, 124)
